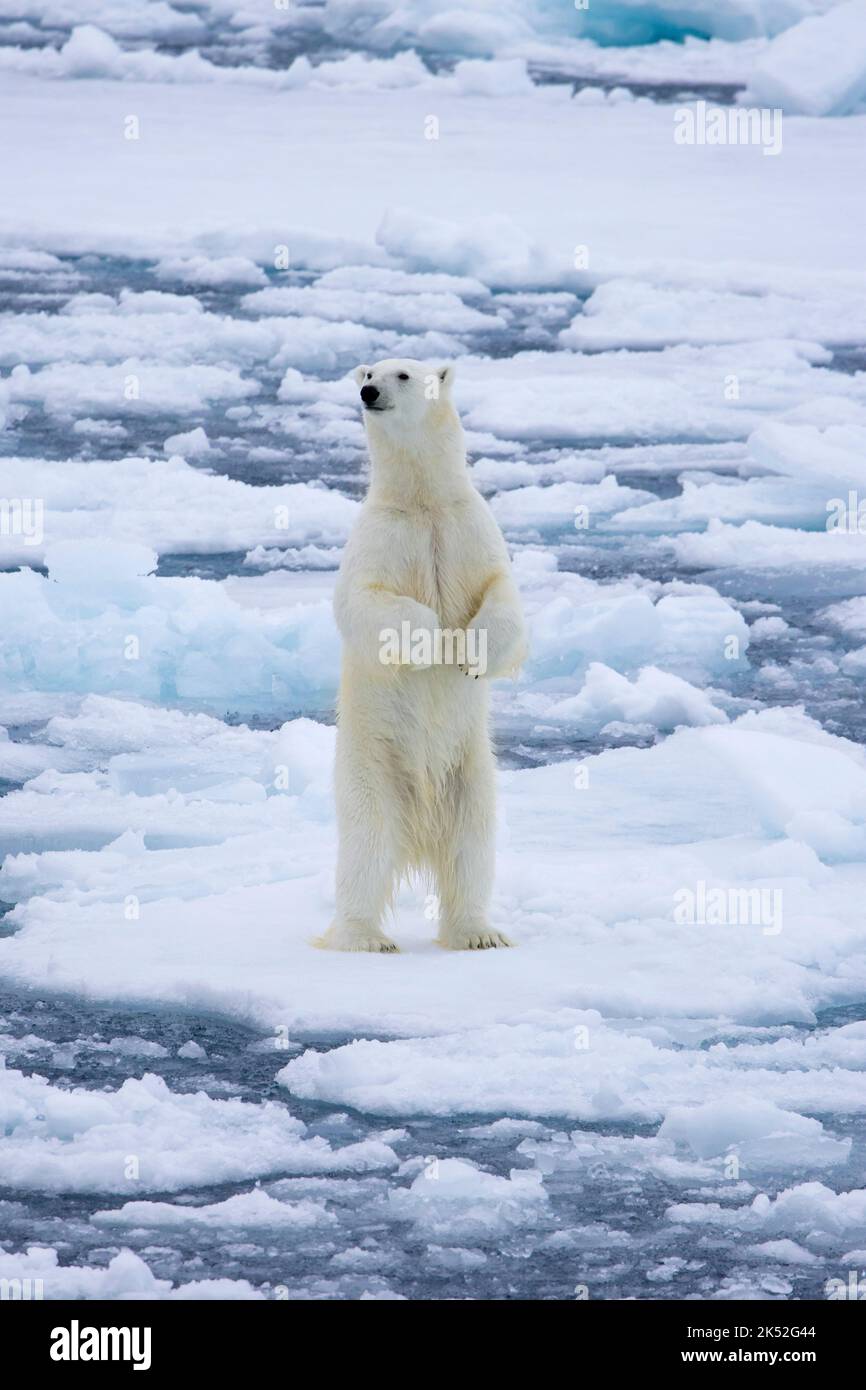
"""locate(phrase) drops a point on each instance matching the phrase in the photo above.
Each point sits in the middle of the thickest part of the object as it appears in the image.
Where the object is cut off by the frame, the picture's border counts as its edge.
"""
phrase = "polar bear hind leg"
(463, 855)
(368, 866)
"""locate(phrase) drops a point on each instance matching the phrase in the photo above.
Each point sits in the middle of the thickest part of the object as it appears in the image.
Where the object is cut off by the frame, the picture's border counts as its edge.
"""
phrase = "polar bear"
(428, 614)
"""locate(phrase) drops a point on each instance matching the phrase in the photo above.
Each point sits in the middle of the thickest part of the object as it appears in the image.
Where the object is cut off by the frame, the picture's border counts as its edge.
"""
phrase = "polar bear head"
(401, 397)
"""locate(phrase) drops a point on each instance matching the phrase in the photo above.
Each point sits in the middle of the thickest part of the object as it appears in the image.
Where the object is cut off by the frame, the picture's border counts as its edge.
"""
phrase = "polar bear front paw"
(355, 936)
(476, 936)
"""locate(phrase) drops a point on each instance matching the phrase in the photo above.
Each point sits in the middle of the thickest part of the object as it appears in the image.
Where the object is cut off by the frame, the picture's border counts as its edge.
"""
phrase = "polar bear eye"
(402, 376)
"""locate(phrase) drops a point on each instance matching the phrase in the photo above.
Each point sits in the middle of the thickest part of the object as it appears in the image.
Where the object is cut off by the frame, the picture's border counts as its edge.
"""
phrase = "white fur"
(414, 770)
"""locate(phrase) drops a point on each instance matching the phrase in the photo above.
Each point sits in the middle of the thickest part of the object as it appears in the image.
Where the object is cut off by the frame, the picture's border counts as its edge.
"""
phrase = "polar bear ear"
(359, 373)
(446, 376)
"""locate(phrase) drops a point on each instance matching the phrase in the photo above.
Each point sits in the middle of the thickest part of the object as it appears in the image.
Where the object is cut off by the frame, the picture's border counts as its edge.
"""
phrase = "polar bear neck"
(426, 467)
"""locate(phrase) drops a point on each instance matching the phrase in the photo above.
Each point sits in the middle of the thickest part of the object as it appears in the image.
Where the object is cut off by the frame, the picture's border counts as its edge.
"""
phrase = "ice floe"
(144, 1138)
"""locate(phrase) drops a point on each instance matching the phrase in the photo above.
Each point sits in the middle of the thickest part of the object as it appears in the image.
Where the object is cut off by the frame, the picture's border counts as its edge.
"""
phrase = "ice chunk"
(849, 616)
(248, 1211)
(574, 622)
(454, 1199)
(110, 626)
(656, 698)
(130, 387)
(89, 52)
(817, 68)
(122, 572)
(760, 1133)
(419, 312)
(570, 505)
(809, 1210)
(786, 1252)
(210, 272)
(829, 457)
(191, 444)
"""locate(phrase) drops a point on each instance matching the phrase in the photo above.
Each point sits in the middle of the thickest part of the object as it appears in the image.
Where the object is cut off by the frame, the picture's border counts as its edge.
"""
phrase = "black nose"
(369, 394)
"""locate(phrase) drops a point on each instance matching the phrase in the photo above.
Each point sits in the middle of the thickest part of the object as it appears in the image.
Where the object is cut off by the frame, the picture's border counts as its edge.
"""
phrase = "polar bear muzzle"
(370, 395)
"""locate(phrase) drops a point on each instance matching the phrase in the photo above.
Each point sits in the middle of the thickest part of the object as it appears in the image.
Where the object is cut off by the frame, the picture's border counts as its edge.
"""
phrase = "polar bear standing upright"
(415, 773)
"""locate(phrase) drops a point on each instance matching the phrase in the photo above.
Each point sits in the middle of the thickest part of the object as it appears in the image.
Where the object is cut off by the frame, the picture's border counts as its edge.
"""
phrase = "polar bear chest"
(436, 559)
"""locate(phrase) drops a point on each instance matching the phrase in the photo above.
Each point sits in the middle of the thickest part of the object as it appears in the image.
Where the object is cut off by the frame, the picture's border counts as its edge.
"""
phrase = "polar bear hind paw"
(342, 936)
